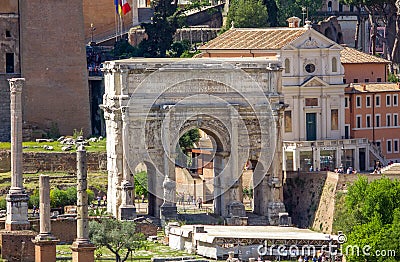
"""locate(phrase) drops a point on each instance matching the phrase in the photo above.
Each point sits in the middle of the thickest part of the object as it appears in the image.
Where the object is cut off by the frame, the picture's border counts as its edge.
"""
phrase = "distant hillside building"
(51, 57)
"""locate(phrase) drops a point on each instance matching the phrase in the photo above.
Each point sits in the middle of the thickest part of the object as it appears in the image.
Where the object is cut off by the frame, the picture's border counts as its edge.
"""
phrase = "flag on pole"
(125, 7)
(116, 3)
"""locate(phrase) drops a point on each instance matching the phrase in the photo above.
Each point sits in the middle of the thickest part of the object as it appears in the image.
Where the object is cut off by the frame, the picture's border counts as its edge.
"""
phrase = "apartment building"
(372, 111)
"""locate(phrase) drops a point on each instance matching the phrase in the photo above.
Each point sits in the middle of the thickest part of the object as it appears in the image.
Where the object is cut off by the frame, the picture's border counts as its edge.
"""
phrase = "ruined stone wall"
(194, 35)
(56, 93)
(17, 245)
(310, 199)
(8, 44)
(34, 162)
(5, 125)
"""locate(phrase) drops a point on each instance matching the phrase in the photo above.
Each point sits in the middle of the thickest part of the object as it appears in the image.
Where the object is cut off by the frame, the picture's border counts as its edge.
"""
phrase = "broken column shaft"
(82, 248)
(45, 242)
(82, 198)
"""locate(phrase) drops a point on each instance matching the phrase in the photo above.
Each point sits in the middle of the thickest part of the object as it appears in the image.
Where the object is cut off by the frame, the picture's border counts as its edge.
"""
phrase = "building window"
(378, 144)
(368, 101)
(351, 8)
(288, 121)
(334, 64)
(389, 145)
(395, 119)
(311, 101)
(346, 102)
(340, 7)
(368, 121)
(335, 119)
(8, 33)
(310, 68)
(377, 120)
(379, 79)
(366, 80)
(330, 6)
(378, 101)
(9, 62)
(355, 80)
(287, 65)
(358, 101)
(344, 80)
(395, 100)
(358, 121)
(388, 100)
(395, 145)
(388, 118)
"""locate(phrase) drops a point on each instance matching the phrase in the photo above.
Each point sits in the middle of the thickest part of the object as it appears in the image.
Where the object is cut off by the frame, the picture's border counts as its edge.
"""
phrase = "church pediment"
(314, 82)
(314, 40)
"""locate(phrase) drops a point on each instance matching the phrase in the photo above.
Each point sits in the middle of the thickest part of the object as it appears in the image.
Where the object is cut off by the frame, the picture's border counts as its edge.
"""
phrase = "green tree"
(371, 216)
(160, 32)
(247, 14)
(34, 199)
(141, 183)
(288, 8)
(189, 138)
(179, 47)
(116, 236)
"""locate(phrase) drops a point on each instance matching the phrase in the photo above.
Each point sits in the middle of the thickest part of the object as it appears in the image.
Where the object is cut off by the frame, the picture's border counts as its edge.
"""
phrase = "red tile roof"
(254, 38)
(352, 56)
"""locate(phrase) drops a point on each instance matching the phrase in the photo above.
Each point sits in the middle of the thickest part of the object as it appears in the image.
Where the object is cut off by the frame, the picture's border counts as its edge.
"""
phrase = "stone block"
(45, 251)
(127, 213)
(17, 245)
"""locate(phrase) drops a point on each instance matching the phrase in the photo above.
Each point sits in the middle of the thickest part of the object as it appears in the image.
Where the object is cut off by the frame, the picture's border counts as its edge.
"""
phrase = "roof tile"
(352, 56)
(254, 38)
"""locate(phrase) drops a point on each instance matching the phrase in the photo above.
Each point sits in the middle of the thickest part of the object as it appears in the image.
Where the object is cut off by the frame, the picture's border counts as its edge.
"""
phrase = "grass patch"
(151, 250)
(99, 146)
(96, 180)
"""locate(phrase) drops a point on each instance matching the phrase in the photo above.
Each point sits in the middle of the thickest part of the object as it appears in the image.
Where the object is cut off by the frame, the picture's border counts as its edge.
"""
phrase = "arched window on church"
(330, 6)
(287, 65)
(334, 64)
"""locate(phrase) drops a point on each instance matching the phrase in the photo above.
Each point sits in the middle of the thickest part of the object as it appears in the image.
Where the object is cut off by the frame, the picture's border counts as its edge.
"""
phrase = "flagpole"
(116, 26)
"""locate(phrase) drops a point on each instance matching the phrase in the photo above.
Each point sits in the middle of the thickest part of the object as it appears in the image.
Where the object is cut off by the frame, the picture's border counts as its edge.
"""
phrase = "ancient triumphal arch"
(149, 103)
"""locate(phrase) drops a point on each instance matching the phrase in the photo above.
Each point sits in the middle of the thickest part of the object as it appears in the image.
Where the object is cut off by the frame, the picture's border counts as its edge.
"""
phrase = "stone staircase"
(256, 220)
(375, 150)
(391, 169)
(200, 218)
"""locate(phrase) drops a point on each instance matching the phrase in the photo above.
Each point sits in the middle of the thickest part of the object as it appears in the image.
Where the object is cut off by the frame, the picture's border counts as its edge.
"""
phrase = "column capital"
(16, 84)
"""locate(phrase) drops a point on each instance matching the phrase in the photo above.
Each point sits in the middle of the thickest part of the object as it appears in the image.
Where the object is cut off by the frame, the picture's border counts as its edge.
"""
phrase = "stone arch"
(147, 98)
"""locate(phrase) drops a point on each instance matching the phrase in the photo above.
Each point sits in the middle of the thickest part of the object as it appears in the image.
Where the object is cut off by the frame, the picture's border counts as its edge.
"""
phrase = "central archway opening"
(194, 172)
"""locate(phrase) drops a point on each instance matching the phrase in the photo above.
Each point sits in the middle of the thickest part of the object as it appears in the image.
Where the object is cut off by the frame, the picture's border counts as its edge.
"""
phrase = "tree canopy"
(247, 13)
(371, 217)
(117, 236)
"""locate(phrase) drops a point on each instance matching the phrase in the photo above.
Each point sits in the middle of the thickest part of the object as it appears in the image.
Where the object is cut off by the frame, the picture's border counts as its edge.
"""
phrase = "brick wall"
(54, 162)
(56, 92)
(16, 245)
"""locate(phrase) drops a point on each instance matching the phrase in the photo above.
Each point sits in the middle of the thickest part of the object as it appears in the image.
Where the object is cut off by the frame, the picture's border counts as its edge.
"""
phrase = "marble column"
(276, 206)
(45, 242)
(127, 209)
(17, 199)
(82, 248)
(168, 210)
